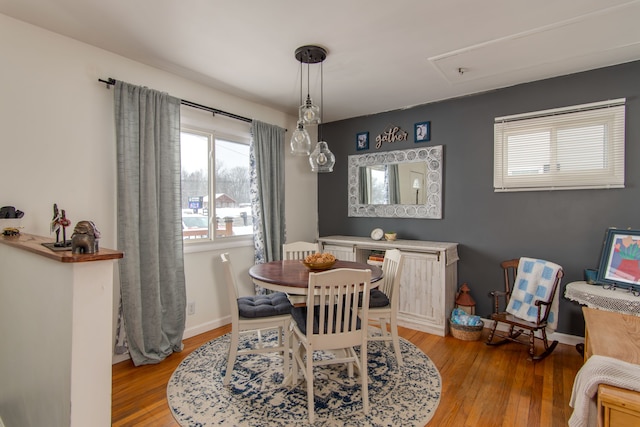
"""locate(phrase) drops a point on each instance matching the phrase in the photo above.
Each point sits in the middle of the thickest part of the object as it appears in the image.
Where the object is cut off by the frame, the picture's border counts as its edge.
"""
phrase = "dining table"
(292, 276)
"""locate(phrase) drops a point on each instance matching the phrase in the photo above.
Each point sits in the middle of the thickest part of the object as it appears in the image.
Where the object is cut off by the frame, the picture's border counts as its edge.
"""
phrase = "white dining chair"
(332, 324)
(299, 250)
(381, 313)
(253, 314)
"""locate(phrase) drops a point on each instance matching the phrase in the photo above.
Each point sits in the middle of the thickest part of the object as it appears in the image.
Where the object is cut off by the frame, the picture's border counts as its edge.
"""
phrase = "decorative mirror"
(396, 184)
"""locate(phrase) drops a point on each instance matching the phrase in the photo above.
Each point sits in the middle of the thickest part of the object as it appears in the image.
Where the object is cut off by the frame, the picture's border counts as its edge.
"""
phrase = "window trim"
(610, 113)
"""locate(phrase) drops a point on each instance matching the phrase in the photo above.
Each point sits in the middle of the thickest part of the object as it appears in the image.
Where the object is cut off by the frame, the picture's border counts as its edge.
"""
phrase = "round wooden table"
(292, 276)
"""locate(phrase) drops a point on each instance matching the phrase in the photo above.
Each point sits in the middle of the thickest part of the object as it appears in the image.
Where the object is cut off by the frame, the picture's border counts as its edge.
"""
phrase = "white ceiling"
(383, 55)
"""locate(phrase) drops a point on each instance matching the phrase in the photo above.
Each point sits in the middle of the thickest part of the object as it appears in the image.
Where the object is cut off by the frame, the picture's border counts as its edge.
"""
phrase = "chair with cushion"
(299, 250)
(253, 314)
(384, 300)
(331, 323)
(531, 301)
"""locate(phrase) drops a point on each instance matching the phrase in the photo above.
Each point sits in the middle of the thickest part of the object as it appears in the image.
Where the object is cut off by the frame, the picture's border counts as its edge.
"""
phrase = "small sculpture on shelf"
(58, 221)
(84, 239)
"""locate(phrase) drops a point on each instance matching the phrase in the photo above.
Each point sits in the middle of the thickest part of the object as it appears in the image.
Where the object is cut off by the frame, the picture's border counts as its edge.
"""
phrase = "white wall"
(56, 329)
(58, 146)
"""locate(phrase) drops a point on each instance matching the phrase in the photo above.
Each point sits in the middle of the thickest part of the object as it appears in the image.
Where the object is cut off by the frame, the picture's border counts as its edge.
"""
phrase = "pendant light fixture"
(300, 139)
(321, 159)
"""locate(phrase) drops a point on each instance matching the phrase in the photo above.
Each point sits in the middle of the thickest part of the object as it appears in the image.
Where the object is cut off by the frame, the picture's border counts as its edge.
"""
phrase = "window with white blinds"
(579, 147)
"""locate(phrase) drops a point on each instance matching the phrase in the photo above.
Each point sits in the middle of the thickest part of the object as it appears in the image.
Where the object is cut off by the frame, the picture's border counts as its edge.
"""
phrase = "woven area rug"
(407, 396)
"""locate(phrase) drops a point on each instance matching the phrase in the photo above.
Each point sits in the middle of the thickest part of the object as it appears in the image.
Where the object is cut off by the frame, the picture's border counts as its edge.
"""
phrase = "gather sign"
(391, 134)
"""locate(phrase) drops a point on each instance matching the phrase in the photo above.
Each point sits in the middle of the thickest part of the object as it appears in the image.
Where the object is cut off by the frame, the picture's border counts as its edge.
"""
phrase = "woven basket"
(466, 333)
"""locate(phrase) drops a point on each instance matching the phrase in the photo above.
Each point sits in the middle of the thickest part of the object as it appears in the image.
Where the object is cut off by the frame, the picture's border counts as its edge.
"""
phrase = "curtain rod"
(214, 111)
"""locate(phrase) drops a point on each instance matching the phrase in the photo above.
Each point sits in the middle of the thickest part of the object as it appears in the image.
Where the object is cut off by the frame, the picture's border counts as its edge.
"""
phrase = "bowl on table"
(319, 265)
(319, 261)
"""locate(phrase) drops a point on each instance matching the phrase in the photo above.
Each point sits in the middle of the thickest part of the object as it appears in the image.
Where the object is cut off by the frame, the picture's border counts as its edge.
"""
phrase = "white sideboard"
(429, 277)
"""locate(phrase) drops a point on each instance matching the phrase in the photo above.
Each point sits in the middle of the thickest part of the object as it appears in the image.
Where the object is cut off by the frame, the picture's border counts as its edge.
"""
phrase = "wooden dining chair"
(331, 323)
(384, 302)
(299, 250)
(530, 289)
(253, 314)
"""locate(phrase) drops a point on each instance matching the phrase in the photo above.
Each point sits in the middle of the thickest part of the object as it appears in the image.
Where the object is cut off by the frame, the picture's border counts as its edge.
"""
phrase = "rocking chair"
(530, 290)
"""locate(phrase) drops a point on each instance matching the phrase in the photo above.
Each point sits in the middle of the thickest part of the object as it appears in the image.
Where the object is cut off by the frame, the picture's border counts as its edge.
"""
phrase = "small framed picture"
(362, 141)
(423, 131)
(620, 261)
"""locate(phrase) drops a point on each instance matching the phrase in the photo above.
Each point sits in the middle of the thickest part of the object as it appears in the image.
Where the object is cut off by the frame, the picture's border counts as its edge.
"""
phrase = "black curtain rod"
(214, 111)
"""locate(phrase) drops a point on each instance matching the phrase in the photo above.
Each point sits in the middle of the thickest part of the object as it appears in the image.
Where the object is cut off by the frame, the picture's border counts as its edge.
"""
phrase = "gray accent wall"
(566, 227)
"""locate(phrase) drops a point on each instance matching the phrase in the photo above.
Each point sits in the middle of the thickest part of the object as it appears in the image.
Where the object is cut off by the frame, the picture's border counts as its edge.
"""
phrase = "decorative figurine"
(84, 239)
(55, 222)
(60, 220)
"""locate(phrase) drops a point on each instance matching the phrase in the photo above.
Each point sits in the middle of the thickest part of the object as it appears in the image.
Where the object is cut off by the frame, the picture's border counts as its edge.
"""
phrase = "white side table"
(595, 296)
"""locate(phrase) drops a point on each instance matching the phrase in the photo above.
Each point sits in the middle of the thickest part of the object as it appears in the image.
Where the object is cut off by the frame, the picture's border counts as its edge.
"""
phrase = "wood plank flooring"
(481, 385)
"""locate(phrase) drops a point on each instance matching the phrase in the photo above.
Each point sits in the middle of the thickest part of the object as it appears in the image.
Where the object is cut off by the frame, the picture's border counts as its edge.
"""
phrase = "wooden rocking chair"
(518, 326)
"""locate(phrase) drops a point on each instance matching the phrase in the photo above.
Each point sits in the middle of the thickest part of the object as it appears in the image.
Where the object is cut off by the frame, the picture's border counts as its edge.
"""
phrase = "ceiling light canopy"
(322, 159)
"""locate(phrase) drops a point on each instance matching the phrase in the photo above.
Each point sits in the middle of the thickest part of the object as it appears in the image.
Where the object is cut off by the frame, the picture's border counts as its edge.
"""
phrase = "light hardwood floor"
(481, 385)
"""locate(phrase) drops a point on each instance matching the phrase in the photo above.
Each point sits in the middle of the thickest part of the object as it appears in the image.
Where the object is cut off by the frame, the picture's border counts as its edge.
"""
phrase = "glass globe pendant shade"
(300, 141)
(322, 159)
(309, 112)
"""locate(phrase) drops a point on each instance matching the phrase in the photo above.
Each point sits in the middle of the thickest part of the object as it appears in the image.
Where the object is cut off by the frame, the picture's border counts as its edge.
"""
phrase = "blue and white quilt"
(534, 281)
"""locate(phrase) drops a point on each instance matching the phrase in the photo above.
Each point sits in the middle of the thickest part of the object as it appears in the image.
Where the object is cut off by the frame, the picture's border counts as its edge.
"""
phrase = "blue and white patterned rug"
(407, 396)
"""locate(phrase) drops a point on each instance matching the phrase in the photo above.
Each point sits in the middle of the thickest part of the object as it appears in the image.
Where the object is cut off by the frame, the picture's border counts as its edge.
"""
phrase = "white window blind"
(578, 147)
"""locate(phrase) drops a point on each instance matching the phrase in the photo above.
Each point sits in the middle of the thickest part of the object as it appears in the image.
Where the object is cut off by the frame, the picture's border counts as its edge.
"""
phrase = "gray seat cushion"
(377, 298)
(299, 315)
(256, 306)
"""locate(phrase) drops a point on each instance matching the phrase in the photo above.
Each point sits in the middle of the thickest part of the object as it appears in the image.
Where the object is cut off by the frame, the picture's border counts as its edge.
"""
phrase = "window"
(577, 147)
(215, 185)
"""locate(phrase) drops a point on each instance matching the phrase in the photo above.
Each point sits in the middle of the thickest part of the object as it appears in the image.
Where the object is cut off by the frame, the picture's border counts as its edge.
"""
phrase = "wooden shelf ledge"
(33, 244)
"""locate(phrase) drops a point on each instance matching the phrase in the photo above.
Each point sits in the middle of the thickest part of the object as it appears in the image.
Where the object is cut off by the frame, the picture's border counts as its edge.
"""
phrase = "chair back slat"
(333, 301)
(298, 250)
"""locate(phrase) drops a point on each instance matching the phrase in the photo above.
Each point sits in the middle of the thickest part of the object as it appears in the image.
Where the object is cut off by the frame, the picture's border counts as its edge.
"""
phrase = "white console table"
(429, 278)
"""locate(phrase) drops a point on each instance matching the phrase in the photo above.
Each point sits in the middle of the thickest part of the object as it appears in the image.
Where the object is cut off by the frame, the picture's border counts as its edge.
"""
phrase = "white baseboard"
(206, 327)
(188, 333)
(117, 358)
(1, 423)
(561, 338)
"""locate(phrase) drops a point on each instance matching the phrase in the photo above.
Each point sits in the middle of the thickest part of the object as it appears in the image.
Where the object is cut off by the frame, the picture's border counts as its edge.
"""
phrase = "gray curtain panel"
(152, 284)
(364, 185)
(393, 184)
(267, 191)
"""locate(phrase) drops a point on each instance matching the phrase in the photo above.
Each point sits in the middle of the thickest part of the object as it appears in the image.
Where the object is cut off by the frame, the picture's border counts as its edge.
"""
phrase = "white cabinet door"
(343, 253)
(421, 288)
